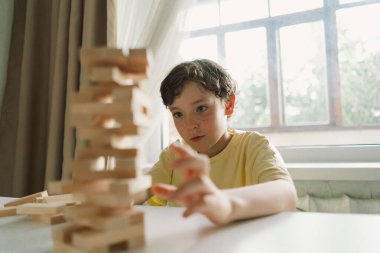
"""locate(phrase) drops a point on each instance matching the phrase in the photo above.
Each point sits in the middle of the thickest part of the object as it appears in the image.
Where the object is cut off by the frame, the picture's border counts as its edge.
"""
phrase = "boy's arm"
(199, 194)
(261, 199)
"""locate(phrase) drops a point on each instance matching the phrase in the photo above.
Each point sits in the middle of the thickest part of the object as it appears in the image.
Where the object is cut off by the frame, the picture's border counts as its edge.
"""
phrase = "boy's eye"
(202, 108)
(177, 114)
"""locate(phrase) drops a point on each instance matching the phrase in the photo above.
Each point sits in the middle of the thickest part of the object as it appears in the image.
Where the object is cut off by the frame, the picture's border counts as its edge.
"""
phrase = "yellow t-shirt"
(248, 159)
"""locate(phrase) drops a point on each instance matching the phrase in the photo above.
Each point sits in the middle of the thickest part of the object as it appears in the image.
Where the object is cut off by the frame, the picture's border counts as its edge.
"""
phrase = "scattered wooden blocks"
(40, 207)
(8, 211)
(27, 199)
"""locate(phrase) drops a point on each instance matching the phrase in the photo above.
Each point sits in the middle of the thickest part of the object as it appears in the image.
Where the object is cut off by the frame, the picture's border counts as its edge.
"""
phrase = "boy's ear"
(230, 105)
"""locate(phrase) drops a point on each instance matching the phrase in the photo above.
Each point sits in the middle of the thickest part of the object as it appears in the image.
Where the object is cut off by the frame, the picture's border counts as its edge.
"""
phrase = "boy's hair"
(210, 75)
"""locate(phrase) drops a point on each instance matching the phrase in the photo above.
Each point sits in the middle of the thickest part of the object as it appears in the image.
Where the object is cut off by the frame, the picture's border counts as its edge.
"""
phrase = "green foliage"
(360, 91)
(311, 105)
(252, 106)
(360, 83)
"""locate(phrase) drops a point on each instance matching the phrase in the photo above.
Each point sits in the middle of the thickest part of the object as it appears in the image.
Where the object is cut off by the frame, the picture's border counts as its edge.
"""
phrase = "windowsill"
(335, 171)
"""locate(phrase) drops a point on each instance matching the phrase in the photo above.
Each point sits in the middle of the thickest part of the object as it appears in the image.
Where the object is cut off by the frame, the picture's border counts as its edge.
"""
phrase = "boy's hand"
(190, 162)
(197, 193)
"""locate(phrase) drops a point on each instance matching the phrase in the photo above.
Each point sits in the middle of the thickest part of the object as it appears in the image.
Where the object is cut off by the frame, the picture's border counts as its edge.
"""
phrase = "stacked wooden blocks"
(110, 115)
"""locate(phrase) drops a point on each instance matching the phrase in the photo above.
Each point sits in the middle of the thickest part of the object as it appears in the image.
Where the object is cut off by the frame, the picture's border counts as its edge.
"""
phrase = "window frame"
(272, 24)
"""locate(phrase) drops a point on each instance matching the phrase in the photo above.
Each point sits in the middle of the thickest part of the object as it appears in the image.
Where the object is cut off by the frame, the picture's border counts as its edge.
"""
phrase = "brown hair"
(210, 75)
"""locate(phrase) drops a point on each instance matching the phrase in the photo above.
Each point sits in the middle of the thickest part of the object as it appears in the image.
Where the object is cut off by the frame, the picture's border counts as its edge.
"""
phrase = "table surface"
(167, 231)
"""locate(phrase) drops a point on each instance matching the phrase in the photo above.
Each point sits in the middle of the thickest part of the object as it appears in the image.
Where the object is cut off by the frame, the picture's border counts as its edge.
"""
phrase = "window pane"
(234, 11)
(304, 74)
(246, 59)
(200, 47)
(359, 56)
(281, 7)
(203, 15)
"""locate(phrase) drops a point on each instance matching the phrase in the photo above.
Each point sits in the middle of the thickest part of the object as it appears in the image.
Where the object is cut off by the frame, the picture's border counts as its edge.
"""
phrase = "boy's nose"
(192, 124)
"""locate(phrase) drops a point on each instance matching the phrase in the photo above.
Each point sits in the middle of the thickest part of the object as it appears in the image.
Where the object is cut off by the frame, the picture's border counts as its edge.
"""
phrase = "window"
(359, 59)
(308, 71)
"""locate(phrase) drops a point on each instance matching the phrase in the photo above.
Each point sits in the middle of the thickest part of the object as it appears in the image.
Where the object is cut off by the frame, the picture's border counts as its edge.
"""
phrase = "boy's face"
(201, 119)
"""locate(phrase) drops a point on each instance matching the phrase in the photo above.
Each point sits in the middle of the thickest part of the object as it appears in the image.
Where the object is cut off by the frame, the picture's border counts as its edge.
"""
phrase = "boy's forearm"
(262, 199)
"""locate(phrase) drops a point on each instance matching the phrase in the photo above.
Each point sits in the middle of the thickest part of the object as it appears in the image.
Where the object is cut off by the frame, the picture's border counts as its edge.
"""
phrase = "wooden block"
(130, 122)
(93, 132)
(78, 97)
(134, 61)
(93, 121)
(117, 222)
(63, 198)
(90, 239)
(27, 199)
(41, 200)
(108, 199)
(140, 102)
(109, 136)
(48, 219)
(87, 209)
(83, 210)
(90, 175)
(115, 75)
(139, 58)
(122, 111)
(93, 164)
(102, 56)
(138, 118)
(127, 163)
(8, 211)
(63, 232)
(86, 153)
(99, 93)
(63, 187)
(130, 93)
(92, 93)
(140, 52)
(131, 186)
(111, 109)
(90, 211)
(111, 222)
(40, 208)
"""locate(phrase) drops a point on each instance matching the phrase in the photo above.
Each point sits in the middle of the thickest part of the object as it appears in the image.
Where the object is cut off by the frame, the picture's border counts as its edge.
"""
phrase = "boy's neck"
(220, 145)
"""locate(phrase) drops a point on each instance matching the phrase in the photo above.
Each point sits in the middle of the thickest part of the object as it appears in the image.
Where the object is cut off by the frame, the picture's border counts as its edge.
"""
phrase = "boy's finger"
(181, 150)
(191, 188)
(163, 191)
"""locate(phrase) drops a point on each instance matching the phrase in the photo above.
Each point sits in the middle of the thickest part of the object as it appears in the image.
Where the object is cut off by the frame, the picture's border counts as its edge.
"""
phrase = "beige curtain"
(43, 70)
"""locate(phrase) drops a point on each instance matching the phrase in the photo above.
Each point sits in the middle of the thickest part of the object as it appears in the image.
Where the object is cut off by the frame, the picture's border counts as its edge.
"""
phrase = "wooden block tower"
(110, 115)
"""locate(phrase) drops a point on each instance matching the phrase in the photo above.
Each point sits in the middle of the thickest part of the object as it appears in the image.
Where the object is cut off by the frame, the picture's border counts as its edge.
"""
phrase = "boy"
(224, 174)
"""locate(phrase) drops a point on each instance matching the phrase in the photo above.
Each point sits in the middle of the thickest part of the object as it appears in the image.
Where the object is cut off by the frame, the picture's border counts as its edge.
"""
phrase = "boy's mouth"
(197, 138)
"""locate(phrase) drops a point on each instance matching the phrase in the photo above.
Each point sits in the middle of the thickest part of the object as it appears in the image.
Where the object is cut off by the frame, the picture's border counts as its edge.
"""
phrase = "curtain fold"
(6, 19)
(43, 70)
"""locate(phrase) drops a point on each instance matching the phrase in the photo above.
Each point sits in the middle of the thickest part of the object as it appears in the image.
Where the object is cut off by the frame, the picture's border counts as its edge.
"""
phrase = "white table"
(167, 231)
